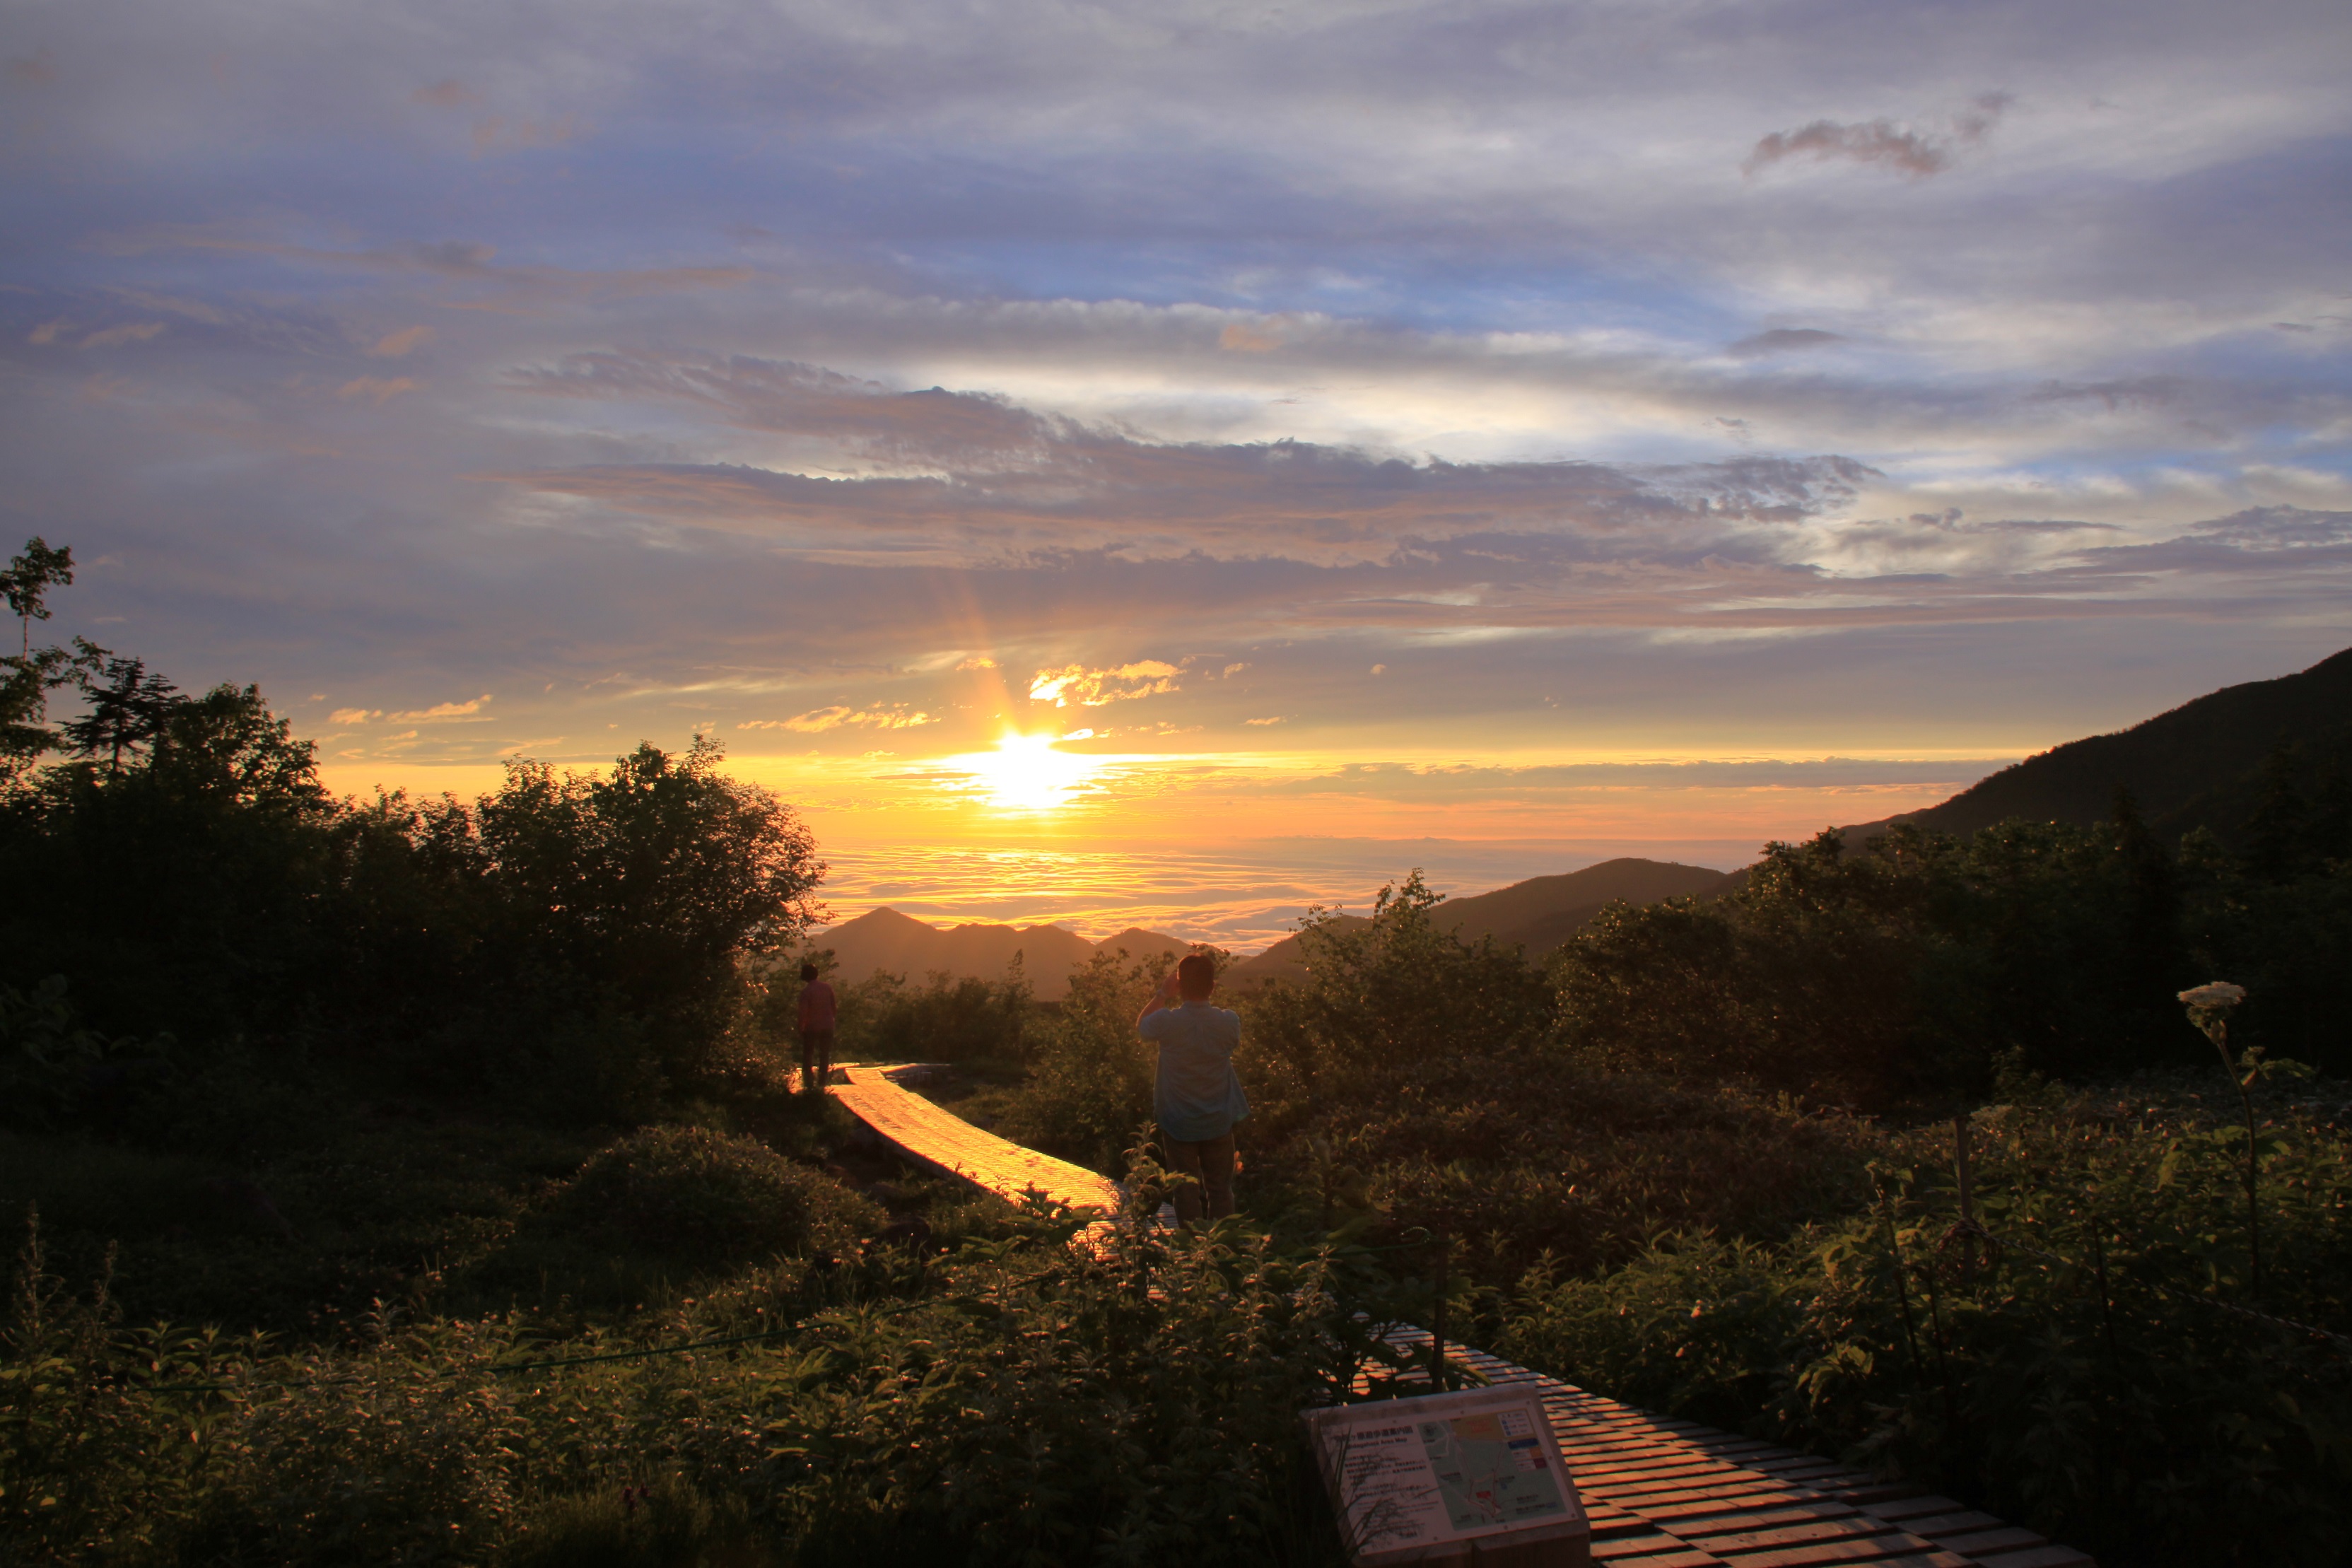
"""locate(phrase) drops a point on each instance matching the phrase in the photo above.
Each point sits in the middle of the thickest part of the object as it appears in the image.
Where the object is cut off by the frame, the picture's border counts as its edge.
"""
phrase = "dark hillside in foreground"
(2200, 750)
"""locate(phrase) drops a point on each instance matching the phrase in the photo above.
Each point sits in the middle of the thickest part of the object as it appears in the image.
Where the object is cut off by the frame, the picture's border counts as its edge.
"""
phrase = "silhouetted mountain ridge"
(2190, 766)
(1539, 914)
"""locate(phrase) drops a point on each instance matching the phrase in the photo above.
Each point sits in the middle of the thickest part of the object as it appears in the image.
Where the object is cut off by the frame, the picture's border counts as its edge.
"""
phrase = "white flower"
(2214, 994)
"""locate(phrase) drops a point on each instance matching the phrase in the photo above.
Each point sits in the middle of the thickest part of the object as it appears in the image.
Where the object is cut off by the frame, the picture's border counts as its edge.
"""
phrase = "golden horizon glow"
(1025, 774)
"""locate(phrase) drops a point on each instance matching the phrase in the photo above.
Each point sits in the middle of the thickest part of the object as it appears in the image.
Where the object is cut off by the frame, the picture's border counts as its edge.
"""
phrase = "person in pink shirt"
(816, 1030)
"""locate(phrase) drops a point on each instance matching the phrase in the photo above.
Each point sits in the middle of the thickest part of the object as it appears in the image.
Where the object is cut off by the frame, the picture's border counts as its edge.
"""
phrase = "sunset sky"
(1327, 438)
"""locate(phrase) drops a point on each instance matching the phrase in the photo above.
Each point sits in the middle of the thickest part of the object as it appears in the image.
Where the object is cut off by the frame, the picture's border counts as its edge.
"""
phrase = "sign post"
(1451, 1478)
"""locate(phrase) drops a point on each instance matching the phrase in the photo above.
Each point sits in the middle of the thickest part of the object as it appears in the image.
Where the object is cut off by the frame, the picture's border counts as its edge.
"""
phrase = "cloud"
(46, 333)
(498, 134)
(399, 345)
(115, 337)
(376, 389)
(1316, 339)
(1273, 721)
(961, 470)
(466, 264)
(1096, 687)
(446, 709)
(1914, 153)
(347, 716)
(817, 720)
(1879, 141)
(1781, 340)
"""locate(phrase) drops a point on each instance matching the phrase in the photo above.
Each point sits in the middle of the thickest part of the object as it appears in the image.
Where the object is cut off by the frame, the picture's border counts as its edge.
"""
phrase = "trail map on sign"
(1491, 1469)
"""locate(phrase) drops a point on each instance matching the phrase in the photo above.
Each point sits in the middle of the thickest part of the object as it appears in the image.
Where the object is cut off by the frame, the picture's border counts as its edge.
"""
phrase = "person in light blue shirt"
(1196, 1096)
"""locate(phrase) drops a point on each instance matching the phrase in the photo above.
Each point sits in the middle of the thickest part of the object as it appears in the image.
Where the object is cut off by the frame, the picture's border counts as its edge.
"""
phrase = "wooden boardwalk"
(941, 1141)
(1660, 1493)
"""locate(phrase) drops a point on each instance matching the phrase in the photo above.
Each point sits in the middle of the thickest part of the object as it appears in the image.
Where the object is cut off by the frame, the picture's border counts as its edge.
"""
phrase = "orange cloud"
(395, 345)
(375, 388)
(115, 337)
(449, 94)
(500, 134)
(817, 720)
(1093, 687)
(1247, 340)
(446, 709)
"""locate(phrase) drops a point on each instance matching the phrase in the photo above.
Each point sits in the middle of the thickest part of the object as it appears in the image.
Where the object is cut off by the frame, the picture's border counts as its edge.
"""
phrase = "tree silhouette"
(28, 677)
(27, 581)
(129, 708)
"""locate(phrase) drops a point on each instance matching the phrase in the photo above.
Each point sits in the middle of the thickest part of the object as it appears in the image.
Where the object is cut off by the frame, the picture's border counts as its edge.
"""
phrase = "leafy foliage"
(1903, 973)
(1016, 1401)
(2105, 1399)
(1089, 1086)
(211, 887)
(709, 1196)
(948, 1018)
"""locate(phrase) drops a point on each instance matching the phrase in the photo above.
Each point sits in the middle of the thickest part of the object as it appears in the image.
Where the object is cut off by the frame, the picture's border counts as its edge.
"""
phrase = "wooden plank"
(1644, 1500)
(1749, 1513)
(1653, 1552)
(1739, 1542)
(1808, 1555)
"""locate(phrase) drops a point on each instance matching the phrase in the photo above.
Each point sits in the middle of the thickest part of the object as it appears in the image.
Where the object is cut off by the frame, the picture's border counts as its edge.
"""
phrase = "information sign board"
(1475, 1477)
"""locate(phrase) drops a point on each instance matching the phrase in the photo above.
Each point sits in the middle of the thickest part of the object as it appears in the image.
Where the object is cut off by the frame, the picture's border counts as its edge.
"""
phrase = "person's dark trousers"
(817, 1059)
(1209, 1163)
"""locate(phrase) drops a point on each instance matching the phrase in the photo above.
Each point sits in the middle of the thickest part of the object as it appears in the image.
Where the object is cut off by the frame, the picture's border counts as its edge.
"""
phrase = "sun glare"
(1026, 773)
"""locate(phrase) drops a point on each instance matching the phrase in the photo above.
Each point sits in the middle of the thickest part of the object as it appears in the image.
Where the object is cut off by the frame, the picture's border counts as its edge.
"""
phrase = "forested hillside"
(2189, 767)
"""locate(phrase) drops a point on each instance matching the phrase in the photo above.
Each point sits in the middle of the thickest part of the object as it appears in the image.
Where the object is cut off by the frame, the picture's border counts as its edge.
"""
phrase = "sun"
(1026, 773)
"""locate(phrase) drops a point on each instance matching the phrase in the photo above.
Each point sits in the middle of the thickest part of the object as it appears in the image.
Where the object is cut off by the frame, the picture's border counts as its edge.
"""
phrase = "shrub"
(711, 1197)
(945, 1019)
(2126, 1415)
(1091, 1078)
(1018, 1402)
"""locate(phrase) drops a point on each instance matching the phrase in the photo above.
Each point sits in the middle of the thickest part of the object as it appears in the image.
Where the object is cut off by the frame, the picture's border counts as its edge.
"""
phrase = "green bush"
(664, 1523)
(709, 1197)
(883, 1018)
(206, 885)
(1089, 1087)
(1020, 1400)
(2133, 1417)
